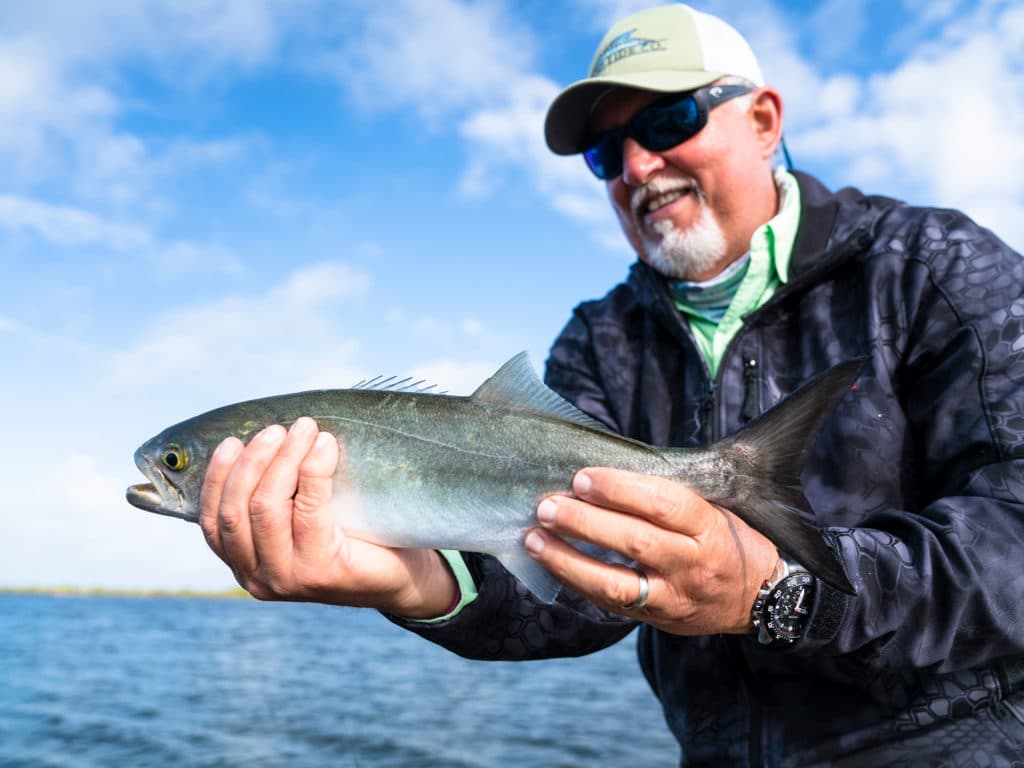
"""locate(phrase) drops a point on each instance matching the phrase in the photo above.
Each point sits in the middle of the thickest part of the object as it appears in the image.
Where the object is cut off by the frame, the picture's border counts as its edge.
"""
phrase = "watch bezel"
(771, 622)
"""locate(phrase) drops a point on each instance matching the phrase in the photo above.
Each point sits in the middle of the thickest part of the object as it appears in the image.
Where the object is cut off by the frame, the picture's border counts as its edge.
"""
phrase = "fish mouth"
(159, 496)
(145, 496)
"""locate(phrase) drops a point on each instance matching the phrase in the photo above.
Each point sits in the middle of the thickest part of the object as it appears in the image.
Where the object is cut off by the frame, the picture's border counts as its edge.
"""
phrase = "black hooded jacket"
(918, 476)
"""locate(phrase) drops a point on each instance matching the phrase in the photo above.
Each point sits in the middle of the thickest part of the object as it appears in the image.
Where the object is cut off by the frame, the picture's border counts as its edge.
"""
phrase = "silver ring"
(642, 595)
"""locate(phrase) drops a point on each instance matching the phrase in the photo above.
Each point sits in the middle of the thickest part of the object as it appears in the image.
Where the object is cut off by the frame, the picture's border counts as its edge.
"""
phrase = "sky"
(204, 201)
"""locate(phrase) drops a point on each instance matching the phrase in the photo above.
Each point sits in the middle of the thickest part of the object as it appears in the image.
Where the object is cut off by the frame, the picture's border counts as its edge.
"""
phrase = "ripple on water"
(158, 681)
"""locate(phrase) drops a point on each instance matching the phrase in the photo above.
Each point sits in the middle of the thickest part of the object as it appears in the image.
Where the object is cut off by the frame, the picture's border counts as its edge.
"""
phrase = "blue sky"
(210, 200)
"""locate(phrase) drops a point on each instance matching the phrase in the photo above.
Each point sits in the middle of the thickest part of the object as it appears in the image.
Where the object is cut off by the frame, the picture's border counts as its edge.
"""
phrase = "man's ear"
(766, 117)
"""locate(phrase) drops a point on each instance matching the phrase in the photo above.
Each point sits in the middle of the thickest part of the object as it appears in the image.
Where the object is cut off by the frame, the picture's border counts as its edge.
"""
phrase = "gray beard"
(682, 254)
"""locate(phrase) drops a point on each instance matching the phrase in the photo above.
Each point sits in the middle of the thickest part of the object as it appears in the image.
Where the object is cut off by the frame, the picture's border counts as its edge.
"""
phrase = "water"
(107, 681)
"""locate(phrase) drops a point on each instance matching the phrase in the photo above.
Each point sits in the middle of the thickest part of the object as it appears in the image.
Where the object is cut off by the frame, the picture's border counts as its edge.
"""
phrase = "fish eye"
(174, 457)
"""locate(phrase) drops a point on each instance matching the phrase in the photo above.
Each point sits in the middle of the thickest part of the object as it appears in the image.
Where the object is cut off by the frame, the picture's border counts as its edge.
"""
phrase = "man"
(750, 281)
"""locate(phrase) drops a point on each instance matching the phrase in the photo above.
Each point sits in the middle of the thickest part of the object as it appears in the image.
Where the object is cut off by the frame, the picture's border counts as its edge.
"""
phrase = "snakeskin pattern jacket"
(917, 477)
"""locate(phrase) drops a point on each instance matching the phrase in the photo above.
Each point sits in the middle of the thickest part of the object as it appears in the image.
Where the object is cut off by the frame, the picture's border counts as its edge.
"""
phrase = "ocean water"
(110, 681)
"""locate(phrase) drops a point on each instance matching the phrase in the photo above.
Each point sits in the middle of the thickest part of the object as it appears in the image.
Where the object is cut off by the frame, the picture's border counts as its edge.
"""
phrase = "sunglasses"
(661, 125)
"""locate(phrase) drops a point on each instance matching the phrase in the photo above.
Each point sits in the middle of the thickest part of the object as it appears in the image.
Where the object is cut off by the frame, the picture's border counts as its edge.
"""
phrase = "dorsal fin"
(516, 384)
(390, 384)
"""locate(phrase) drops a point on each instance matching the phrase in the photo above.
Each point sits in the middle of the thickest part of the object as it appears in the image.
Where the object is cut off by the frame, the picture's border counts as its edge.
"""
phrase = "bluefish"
(453, 472)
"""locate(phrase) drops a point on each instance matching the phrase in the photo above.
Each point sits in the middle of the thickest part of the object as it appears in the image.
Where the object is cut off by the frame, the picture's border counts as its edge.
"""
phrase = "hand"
(266, 511)
(704, 565)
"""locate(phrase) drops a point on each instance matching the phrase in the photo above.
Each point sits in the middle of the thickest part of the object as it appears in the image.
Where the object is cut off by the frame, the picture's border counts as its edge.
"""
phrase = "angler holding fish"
(871, 618)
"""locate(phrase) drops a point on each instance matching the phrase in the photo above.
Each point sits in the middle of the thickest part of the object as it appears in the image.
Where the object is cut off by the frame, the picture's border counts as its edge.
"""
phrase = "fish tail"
(767, 457)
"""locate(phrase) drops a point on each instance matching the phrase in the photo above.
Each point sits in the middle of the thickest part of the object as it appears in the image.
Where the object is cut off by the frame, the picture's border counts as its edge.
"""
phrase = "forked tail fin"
(769, 455)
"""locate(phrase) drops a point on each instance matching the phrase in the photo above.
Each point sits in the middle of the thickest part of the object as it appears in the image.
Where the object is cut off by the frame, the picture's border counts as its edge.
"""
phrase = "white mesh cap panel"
(725, 50)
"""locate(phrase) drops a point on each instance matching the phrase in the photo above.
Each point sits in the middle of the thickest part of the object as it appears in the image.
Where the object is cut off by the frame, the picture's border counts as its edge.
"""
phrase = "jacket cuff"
(829, 611)
(466, 585)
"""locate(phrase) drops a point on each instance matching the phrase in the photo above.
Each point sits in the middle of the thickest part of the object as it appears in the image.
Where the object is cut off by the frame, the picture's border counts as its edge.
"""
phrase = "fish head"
(175, 461)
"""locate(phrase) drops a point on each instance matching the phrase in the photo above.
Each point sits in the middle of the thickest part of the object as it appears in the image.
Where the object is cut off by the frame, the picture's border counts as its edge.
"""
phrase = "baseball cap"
(665, 49)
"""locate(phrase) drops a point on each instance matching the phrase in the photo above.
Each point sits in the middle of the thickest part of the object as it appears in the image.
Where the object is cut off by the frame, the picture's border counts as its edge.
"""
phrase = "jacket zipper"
(674, 320)
(751, 391)
(711, 411)
(751, 407)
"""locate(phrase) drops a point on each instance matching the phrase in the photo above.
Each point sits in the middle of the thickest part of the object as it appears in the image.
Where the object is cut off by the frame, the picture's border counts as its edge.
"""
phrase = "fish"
(466, 473)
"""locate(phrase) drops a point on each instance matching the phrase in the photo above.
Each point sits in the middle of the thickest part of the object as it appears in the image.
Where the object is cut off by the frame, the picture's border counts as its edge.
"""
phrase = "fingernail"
(324, 439)
(273, 434)
(582, 483)
(534, 543)
(303, 427)
(546, 511)
(229, 448)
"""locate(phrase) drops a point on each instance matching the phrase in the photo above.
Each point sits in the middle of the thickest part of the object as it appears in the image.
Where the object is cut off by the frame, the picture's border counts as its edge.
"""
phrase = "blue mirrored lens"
(664, 126)
(658, 127)
(605, 157)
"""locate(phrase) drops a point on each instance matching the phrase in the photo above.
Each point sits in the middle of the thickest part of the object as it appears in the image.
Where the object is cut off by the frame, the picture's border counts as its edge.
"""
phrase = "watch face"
(788, 607)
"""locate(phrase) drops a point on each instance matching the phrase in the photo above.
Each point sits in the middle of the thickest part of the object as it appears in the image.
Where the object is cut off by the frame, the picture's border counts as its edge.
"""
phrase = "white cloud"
(473, 60)
(183, 257)
(928, 11)
(41, 110)
(513, 130)
(74, 227)
(603, 13)
(453, 376)
(836, 27)
(316, 285)
(186, 153)
(440, 330)
(512, 135)
(75, 528)
(431, 329)
(279, 340)
(946, 127)
(185, 36)
(66, 225)
(443, 54)
(328, 374)
(9, 326)
(85, 482)
(938, 23)
(62, 92)
(472, 327)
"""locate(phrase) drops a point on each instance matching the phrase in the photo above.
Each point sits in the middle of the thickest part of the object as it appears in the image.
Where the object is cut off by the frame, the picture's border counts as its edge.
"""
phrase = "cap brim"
(565, 127)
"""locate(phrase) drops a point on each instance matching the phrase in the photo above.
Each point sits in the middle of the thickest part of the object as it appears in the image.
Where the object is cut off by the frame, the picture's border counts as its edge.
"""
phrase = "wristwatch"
(782, 609)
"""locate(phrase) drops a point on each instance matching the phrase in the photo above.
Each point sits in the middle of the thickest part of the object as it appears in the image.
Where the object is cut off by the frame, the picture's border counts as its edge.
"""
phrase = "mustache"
(661, 185)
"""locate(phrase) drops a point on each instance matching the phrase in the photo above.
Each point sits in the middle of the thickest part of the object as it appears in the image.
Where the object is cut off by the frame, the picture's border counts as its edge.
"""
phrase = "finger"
(664, 502)
(220, 464)
(636, 538)
(313, 516)
(607, 585)
(233, 515)
(270, 508)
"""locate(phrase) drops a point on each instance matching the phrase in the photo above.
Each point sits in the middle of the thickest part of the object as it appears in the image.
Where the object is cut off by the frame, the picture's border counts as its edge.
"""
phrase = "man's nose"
(639, 163)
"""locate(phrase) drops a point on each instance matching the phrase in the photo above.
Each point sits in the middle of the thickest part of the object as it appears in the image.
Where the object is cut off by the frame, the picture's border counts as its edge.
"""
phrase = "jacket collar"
(817, 219)
(832, 225)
